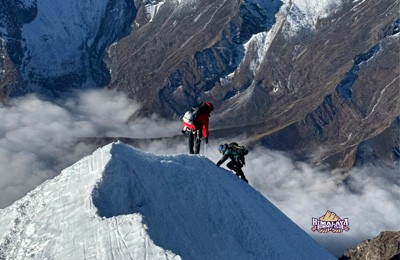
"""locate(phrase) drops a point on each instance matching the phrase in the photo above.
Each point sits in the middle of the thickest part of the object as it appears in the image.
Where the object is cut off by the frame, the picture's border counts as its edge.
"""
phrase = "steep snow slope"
(66, 30)
(64, 41)
(121, 203)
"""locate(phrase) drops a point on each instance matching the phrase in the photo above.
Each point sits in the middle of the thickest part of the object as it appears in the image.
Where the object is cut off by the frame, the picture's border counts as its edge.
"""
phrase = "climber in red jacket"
(195, 123)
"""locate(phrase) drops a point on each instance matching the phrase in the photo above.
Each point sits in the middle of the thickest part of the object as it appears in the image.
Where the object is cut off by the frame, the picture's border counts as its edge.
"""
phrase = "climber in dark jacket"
(237, 159)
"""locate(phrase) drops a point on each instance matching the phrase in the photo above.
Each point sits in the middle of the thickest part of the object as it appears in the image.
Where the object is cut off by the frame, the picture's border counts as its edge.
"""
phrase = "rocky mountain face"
(319, 79)
(8, 73)
(59, 45)
(384, 246)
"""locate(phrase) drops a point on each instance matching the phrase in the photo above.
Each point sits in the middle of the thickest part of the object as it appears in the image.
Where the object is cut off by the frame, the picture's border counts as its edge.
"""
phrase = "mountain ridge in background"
(317, 79)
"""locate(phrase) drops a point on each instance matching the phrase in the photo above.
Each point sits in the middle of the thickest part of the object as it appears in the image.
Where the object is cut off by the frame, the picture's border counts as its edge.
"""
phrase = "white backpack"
(188, 117)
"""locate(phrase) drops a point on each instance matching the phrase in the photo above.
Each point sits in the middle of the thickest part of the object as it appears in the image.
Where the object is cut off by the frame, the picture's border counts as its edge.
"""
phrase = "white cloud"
(39, 138)
(370, 197)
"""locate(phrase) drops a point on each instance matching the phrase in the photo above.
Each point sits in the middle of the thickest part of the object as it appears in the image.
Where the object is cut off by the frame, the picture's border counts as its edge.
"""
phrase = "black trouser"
(237, 168)
(194, 140)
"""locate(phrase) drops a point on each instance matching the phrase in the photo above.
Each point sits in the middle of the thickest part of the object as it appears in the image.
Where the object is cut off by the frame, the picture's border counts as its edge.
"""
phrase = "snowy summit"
(121, 203)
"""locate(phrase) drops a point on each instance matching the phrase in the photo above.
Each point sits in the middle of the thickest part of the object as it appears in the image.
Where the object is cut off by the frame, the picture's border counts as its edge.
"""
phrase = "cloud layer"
(369, 198)
(39, 138)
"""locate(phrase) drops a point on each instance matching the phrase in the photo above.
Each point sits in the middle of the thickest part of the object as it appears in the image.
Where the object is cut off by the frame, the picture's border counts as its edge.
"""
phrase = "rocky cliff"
(384, 246)
(319, 90)
(8, 73)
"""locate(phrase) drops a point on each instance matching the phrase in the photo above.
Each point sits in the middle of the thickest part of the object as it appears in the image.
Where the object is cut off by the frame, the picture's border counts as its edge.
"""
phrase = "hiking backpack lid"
(210, 106)
(202, 108)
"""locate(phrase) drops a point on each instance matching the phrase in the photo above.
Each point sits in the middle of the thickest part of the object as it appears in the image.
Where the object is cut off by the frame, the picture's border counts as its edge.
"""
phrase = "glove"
(206, 139)
(183, 132)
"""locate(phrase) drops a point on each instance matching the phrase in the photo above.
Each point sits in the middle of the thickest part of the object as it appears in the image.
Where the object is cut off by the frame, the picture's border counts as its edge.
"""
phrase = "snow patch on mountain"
(121, 203)
(151, 8)
(28, 3)
(184, 3)
(262, 41)
(304, 14)
(294, 16)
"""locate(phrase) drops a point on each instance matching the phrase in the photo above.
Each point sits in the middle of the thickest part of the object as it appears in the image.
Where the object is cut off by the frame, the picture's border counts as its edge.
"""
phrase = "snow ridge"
(12, 241)
(121, 203)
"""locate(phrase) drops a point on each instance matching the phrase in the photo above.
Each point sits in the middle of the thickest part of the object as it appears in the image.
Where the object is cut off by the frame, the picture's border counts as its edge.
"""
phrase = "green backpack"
(239, 149)
(239, 152)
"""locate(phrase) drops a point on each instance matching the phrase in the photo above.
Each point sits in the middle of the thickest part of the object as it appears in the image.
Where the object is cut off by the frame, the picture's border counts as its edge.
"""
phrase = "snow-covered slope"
(121, 203)
(63, 41)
